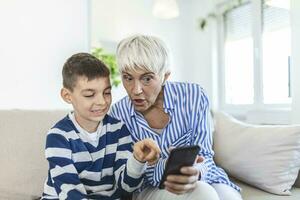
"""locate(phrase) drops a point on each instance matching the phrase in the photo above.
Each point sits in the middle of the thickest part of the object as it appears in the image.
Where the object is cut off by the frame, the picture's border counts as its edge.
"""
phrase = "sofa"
(24, 168)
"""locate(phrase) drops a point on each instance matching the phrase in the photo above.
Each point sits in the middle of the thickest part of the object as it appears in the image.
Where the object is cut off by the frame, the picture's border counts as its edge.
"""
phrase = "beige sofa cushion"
(14, 195)
(267, 157)
(23, 166)
(251, 193)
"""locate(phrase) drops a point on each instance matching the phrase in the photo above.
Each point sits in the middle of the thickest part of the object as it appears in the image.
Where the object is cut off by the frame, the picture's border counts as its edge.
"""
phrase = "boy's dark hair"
(82, 64)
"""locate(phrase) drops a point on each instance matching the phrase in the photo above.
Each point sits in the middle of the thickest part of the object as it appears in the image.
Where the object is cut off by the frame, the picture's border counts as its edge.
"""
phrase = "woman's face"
(143, 88)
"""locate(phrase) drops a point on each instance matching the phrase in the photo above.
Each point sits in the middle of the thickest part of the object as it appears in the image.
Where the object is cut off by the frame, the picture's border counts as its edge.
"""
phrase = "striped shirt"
(84, 168)
(188, 108)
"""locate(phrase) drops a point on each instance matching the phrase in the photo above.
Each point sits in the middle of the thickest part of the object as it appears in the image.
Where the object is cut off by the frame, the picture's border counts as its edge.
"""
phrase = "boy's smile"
(90, 99)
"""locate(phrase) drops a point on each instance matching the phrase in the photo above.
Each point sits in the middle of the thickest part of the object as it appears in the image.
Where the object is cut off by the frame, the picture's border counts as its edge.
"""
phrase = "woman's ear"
(166, 76)
(66, 95)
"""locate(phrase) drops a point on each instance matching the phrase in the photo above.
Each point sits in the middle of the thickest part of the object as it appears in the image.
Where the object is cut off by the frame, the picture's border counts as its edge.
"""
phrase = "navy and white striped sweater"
(80, 168)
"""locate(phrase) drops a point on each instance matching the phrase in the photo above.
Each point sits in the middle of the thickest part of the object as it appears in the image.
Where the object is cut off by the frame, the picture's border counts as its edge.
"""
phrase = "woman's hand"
(146, 151)
(180, 184)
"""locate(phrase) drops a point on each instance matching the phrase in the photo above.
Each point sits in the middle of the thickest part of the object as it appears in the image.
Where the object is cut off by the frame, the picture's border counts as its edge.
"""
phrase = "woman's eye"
(107, 93)
(127, 78)
(146, 80)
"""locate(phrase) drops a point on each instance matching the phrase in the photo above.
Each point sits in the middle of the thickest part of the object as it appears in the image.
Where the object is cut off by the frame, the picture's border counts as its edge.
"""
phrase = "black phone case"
(179, 157)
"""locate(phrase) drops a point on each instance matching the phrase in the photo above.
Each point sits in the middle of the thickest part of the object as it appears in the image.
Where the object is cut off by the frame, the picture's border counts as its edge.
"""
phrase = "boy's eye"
(90, 95)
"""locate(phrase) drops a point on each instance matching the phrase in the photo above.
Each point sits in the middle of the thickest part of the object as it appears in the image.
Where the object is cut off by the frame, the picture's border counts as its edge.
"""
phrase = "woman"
(172, 114)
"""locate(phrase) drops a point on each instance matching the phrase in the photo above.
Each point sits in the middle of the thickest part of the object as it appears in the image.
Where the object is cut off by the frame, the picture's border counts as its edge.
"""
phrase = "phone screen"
(179, 157)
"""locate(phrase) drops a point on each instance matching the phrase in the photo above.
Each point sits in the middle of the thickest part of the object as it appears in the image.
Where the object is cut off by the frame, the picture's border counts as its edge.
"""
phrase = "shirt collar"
(170, 96)
(131, 107)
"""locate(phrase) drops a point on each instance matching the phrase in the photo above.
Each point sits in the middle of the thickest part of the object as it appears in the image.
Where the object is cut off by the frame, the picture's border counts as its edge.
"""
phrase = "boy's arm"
(64, 175)
(153, 174)
(128, 171)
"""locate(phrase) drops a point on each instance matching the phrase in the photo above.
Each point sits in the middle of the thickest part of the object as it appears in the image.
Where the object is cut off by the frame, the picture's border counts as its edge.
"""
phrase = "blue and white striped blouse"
(82, 168)
(188, 108)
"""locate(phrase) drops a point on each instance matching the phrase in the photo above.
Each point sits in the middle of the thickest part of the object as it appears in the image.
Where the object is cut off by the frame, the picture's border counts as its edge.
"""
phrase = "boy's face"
(90, 99)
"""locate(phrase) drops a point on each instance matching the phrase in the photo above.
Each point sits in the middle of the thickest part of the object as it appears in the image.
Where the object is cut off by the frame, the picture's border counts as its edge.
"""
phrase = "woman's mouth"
(138, 102)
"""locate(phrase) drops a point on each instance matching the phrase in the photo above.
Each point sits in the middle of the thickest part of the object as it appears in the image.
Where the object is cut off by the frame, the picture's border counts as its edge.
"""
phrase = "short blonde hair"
(143, 52)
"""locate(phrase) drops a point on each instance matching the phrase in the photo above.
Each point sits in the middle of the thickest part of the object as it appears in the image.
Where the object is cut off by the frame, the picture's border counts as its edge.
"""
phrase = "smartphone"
(179, 157)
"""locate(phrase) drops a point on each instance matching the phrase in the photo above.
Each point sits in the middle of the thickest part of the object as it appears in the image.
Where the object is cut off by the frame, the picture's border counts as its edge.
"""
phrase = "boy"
(89, 152)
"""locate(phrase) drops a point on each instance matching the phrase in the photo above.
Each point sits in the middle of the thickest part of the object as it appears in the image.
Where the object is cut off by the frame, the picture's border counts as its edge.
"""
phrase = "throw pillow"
(264, 156)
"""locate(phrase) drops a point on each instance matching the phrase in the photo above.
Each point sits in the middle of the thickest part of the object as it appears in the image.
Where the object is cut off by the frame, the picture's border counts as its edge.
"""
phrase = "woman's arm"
(202, 136)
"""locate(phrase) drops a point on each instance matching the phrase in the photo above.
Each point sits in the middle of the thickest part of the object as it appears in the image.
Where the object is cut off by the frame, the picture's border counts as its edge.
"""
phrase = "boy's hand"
(146, 151)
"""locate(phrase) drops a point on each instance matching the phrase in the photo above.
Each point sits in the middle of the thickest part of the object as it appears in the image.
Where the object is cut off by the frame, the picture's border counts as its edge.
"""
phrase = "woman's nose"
(137, 88)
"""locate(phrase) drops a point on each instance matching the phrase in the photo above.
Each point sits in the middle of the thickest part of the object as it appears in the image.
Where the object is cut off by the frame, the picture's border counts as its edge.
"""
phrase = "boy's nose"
(100, 100)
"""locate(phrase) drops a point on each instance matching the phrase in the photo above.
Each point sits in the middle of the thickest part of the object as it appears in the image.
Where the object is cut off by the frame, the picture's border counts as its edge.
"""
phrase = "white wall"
(112, 20)
(295, 60)
(197, 44)
(36, 37)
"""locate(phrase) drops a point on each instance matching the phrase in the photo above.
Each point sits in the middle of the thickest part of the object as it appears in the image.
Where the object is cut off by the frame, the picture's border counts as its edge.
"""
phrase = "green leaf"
(111, 62)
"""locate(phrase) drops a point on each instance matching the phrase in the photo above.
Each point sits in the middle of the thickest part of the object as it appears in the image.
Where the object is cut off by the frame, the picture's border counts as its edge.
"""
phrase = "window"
(256, 56)
(239, 56)
(276, 45)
